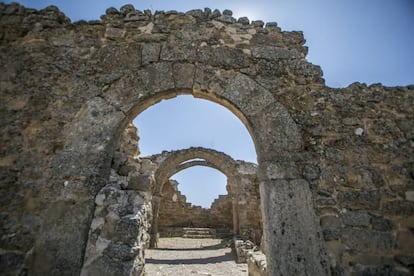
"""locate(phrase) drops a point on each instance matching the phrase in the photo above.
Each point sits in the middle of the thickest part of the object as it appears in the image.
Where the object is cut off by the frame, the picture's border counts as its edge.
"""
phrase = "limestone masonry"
(237, 213)
(332, 193)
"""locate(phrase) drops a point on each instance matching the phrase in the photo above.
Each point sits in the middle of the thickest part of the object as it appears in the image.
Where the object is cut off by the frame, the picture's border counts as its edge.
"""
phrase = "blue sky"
(184, 122)
(368, 41)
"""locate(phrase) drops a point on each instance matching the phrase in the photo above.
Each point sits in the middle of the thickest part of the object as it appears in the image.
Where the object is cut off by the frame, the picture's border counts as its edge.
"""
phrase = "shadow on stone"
(209, 260)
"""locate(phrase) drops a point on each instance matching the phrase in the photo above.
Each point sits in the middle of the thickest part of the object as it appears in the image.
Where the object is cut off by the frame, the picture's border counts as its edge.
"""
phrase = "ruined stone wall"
(173, 208)
(360, 165)
(239, 211)
(221, 213)
(175, 211)
(68, 90)
(119, 232)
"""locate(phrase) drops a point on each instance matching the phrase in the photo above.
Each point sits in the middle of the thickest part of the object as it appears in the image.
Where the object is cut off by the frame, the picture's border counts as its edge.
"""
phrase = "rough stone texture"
(247, 252)
(119, 231)
(176, 212)
(68, 91)
(256, 263)
(117, 235)
(237, 213)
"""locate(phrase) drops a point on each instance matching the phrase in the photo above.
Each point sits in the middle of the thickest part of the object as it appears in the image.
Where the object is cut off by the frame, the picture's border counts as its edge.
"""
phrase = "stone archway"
(169, 163)
(114, 69)
(288, 216)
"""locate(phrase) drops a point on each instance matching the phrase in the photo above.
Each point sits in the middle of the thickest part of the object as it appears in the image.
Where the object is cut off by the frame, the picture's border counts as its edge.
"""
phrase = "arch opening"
(274, 136)
(113, 81)
(206, 208)
(203, 111)
(200, 191)
(183, 121)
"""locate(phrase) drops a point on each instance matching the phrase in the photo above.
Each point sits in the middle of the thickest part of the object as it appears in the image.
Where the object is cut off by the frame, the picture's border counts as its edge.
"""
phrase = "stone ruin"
(237, 213)
(335, 166)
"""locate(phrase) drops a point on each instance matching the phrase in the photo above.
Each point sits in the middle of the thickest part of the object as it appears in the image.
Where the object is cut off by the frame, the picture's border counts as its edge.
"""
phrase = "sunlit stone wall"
(335, 165)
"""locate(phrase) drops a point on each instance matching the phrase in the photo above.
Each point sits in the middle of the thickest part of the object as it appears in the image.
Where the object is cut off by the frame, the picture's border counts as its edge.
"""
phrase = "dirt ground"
(181, 256)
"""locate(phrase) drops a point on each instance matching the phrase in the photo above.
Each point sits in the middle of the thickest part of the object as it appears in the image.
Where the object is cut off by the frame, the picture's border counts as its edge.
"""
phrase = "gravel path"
(180, 256)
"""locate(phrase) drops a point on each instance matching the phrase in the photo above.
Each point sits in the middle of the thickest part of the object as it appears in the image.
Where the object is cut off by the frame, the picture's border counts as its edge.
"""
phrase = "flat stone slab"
(181, 256)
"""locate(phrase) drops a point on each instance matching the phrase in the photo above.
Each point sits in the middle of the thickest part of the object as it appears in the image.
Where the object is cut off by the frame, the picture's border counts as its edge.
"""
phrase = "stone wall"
(119, 232)
(360, 165)
(335, 166)
(248, 205)
(175, 211)
(239, 211)
(221, 213)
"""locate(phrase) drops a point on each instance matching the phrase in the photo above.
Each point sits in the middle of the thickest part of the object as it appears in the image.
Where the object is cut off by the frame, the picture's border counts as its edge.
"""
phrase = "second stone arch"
(242, 186)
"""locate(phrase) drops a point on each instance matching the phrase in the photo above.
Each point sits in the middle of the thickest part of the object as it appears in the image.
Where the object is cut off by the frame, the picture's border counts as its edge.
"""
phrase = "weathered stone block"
(12, 261)
(407, 222)
(274, 53)
(226, 19)
(399, 208)
(243, 20)
(330, 235)
(369, 259)
(115, 33)
(406, 260)
(381, 270)
(140, 182)
(106, 265)
(111, 56)
(150, 53)
(183, 75)
(335, 250)
(382, 224)
(256, 263)
(223, 57)
(178, 51)
(330, 222)
(409, 195)
(325, 192)
(405, 242)
(282, 171)
(367, 240)
(270, 68)
(325, 202)
(125, 9)
(121, 252)
(127, 230)
(149, 38)
(311, 172)
(356, 218)
(355, 200)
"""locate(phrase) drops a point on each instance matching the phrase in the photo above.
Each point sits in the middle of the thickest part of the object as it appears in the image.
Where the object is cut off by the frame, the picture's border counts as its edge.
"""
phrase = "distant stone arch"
(173, 161)
(169, 163)
(193, 163)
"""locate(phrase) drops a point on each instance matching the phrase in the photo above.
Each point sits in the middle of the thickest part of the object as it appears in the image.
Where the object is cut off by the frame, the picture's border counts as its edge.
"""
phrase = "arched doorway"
(289, 220)
(169, 163)
(192, 207)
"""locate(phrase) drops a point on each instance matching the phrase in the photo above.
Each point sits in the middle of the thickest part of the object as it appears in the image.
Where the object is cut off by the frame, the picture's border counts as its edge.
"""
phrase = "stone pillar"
(292, 233)
(156, 201)
(232, 189)
(236, 222)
